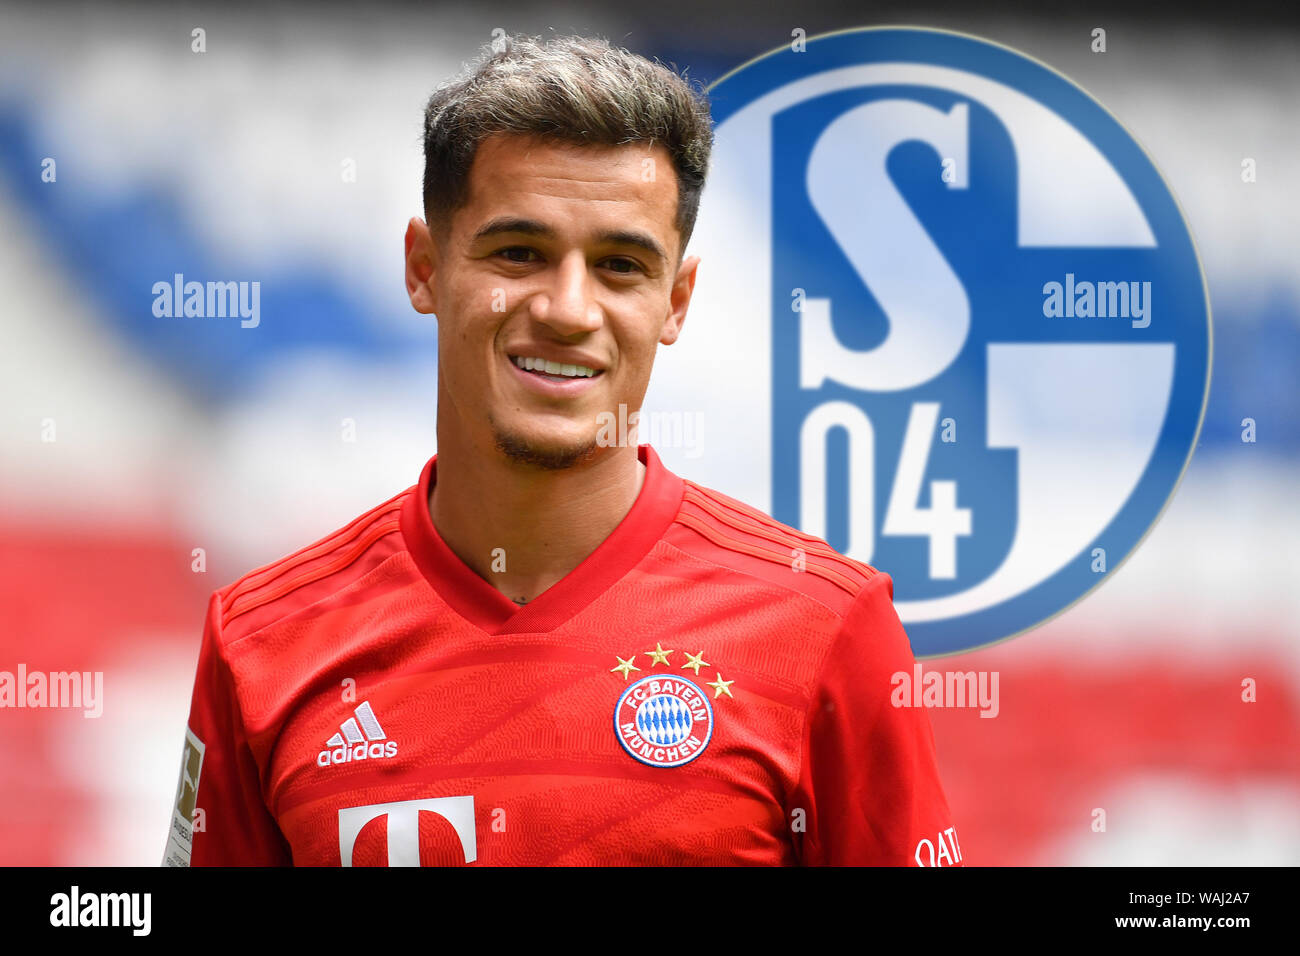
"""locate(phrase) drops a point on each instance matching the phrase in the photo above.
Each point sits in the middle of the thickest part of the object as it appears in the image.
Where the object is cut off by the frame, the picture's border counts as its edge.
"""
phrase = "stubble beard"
(523, 452)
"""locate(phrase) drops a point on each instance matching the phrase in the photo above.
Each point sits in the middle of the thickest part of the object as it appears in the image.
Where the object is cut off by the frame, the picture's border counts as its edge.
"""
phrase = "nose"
(567, 306)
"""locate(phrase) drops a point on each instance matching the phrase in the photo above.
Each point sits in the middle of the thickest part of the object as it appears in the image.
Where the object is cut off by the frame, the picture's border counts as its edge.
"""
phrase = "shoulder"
(296, 581)
(756, 548)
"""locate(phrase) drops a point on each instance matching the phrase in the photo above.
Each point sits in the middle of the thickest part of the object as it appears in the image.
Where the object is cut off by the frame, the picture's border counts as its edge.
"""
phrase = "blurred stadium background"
(172, 436)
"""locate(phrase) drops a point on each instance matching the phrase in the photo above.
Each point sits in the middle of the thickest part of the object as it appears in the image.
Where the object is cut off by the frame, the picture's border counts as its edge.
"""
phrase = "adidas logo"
(359, 738)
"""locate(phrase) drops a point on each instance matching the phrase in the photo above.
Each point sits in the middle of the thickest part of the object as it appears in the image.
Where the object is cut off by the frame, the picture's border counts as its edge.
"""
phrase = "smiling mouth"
(554, 371)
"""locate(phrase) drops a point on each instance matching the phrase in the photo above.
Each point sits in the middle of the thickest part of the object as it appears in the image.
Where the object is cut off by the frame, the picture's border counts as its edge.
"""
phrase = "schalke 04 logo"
(949, 317)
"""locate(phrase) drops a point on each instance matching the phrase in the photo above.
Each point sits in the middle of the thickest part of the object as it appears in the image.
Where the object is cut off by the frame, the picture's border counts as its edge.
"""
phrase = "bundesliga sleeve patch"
(663, 720)
(180, 836)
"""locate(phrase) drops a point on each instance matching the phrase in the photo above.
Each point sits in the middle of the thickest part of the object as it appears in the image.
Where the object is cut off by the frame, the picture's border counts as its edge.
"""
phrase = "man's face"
(563, 253)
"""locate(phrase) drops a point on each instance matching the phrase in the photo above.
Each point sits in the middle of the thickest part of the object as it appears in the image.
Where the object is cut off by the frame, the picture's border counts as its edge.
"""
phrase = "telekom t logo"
(404, 827)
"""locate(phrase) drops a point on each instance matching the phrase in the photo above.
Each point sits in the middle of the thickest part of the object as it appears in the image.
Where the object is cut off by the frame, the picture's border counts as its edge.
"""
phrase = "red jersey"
(709, 686)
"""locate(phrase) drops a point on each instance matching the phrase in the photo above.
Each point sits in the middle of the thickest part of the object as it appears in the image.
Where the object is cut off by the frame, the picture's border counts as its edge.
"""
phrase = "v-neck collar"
(488, 609)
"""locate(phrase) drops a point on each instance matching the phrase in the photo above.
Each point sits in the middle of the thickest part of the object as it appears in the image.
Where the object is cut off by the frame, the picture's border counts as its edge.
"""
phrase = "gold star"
(695, 660)
(721, 687)
(624, 666)
(658, 655)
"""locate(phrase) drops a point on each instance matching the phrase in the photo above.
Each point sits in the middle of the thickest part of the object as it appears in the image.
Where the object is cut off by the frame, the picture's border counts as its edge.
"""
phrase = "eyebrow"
(531, 227)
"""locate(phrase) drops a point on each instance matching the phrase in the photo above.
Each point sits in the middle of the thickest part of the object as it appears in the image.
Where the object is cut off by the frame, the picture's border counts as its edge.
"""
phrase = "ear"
(421, 260)
(679, 300)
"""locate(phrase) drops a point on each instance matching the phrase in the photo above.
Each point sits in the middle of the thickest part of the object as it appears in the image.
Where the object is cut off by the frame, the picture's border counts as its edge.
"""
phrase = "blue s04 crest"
(949, 317)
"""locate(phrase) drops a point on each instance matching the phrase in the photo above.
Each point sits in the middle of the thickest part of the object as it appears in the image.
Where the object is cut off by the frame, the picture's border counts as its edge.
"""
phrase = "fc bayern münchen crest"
(664, 721)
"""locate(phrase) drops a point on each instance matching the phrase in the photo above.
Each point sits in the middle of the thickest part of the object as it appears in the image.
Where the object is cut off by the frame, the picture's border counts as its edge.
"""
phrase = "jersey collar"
(490, 610)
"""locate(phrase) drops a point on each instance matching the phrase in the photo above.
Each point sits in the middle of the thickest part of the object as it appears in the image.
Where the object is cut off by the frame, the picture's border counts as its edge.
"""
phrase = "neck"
(522, 528)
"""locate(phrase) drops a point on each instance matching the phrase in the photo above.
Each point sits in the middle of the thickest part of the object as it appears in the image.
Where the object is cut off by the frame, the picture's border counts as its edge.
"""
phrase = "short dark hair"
(571, 89)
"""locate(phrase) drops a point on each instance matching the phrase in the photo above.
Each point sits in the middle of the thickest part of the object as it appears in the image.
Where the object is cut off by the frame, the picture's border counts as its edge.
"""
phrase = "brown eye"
(511, 253)
(616, 264)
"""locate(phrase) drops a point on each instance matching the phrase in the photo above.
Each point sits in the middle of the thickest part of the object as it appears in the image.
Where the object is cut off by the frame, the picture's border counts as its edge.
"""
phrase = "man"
(552, 650)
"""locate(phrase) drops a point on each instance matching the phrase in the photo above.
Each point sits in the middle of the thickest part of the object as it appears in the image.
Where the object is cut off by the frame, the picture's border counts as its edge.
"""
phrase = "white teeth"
(530, 364)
